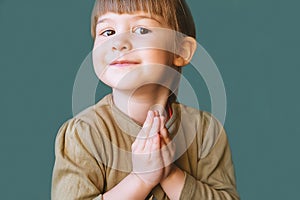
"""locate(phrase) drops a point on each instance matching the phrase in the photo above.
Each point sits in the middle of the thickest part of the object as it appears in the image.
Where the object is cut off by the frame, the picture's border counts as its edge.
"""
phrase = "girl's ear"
(187, 48)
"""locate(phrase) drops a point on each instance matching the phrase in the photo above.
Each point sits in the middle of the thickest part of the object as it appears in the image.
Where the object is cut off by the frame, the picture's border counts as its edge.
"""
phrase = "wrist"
(173, 170)
(140, 182)
(174, 183)
(175, 174)
(131, 187)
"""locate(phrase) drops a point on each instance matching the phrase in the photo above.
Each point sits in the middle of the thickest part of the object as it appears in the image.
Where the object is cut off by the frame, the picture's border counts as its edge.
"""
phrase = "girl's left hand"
(167, 148)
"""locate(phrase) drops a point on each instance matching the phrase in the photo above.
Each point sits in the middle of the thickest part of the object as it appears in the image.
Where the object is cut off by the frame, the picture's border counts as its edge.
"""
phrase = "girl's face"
(131, 50)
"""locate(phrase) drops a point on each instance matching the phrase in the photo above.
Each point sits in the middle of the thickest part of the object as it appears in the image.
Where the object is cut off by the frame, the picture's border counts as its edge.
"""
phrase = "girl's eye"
(107, 33)
(141, 31)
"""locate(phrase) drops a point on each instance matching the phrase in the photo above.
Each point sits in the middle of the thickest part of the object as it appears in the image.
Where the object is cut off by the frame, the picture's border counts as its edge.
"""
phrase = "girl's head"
(137, 46)
(175, 12)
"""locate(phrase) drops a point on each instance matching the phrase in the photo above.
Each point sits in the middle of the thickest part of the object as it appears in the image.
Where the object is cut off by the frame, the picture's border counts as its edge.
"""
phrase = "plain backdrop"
(255, 45)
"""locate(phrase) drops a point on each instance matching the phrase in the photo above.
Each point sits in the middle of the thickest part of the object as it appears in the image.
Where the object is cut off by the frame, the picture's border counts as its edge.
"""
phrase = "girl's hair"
(176, 12)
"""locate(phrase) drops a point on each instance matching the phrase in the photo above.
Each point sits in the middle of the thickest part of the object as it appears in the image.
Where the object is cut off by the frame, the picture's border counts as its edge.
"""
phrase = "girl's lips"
(123, 63)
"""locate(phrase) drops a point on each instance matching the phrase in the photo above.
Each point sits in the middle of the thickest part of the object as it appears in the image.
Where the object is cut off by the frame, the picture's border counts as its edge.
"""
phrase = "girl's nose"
(121, 43)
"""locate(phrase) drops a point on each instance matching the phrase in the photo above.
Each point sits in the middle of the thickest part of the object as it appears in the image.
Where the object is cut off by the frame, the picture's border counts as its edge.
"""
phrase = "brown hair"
(176, 12)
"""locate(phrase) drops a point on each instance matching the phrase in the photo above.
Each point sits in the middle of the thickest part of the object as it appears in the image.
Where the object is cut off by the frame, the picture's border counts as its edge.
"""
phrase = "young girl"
(138, 142)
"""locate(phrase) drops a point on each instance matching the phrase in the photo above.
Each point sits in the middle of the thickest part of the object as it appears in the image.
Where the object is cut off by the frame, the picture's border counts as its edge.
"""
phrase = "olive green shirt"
(93, 154)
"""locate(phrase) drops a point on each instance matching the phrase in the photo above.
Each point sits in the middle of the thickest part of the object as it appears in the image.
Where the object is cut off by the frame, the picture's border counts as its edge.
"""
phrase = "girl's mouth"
(123, 63)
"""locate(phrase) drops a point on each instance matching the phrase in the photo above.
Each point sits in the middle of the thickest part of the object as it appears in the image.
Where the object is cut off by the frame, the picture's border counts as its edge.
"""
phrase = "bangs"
(162, 8)
(157, 7)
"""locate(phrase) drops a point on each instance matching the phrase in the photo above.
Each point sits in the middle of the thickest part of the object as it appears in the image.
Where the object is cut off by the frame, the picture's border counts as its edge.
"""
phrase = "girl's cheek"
(97, 42)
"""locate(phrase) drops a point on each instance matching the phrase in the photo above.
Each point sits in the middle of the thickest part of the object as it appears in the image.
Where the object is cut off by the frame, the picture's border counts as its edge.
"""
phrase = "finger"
(147, 150)
(147, 124)
(155, 146)
(140, 140)
(168, 147)
(167, 154)
(165, 135)
(139, 145)
(149, 118)
(156, 113)
(162, 122)
(156, 143)
(155, 126)
(144, 132)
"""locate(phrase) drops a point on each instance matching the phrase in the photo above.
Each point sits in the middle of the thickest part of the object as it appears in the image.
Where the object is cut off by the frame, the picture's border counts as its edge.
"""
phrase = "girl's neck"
(136, 104)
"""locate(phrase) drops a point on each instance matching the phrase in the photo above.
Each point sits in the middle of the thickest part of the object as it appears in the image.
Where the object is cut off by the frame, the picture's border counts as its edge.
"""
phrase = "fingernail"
(150, 113)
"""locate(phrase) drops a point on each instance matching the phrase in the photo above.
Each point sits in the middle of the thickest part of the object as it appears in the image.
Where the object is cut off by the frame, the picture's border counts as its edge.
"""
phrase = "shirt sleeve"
(76, 174)
(215, 178)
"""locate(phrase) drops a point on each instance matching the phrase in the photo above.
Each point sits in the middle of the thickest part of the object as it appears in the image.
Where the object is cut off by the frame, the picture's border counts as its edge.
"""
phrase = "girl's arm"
(78, 175)
(76, 172)
(131, 187)
(214, 177)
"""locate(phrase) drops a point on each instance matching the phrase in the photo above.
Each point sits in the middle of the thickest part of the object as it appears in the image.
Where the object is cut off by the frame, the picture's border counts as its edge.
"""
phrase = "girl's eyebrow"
(147, 17)
(103, 20)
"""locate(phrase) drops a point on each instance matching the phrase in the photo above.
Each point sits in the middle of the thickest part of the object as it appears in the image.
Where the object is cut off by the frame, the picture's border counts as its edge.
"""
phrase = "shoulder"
(85, 125)
(91, 118)
(203, 118)
(207, 127)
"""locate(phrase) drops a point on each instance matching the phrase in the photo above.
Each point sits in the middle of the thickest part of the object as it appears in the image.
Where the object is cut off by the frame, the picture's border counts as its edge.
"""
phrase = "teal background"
(254, 43)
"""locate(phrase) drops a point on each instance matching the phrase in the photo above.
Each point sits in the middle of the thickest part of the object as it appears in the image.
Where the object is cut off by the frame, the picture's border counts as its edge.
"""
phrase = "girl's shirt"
(93, 153)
